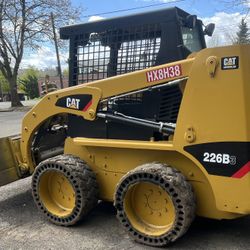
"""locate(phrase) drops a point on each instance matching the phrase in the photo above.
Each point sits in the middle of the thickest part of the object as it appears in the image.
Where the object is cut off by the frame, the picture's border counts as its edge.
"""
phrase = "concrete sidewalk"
(6, 106)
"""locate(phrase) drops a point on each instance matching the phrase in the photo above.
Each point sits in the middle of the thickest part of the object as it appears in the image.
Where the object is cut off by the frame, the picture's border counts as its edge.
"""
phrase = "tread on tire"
(81, 179)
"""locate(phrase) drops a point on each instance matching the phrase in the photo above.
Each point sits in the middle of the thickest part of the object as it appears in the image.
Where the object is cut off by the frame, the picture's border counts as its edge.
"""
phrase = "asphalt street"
(10, 123)
(23, 227)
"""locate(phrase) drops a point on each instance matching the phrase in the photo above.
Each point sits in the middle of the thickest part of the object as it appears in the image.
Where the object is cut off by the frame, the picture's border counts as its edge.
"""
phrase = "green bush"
(29, 83)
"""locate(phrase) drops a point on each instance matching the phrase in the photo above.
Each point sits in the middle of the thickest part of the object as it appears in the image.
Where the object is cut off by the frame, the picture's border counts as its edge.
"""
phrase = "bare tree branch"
(27, 23)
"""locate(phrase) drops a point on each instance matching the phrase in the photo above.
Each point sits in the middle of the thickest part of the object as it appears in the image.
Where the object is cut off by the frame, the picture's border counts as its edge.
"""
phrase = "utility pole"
(1, 90)
(57, 52)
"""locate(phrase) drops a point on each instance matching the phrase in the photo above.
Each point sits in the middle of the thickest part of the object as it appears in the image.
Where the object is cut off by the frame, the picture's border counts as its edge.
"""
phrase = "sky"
(226, 17)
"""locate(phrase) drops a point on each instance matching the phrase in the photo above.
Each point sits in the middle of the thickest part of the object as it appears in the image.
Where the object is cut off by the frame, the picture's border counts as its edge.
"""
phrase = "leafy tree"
(26, 23)
(5, 88)
(29, 83)
(243, 35)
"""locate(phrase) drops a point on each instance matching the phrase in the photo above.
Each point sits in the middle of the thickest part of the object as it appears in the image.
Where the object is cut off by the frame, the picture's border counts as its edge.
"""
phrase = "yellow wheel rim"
(149, 208)
(57, 193)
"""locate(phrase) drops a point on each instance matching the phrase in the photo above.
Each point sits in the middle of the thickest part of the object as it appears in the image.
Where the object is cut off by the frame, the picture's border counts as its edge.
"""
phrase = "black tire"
(82, 180)
(176, 187)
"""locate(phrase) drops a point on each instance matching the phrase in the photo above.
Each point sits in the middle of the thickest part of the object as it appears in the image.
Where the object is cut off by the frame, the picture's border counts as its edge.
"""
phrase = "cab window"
(191, 38)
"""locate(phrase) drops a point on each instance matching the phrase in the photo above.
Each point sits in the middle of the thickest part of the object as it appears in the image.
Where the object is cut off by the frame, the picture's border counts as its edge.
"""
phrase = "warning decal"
(164, 73)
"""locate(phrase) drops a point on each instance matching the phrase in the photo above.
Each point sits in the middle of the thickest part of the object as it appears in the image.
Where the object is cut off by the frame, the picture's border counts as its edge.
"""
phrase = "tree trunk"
(15, 101)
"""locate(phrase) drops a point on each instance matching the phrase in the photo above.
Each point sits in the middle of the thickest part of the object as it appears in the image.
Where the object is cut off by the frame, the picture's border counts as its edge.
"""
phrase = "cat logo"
(230, 62)
(75, 102)
(72, 103)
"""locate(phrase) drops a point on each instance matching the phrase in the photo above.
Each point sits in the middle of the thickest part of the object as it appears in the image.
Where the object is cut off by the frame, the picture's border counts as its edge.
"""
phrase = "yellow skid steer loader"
(153, 121)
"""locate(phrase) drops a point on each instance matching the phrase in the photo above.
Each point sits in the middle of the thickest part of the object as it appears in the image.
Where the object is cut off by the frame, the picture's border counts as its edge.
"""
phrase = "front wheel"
(155, 204)
(64, 189)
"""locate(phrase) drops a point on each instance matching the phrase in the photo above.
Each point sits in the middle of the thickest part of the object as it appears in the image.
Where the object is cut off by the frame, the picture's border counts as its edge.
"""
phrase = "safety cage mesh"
(116, 51)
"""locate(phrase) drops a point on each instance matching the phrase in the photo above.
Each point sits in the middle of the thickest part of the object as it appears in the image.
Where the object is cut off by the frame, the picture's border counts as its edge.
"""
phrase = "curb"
(7, 110)
(18, 109)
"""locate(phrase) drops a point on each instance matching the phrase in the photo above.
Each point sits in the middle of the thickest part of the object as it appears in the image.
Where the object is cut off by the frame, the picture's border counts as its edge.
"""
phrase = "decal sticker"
(219, 158)
(78, 102)
(243, 171)
(164, 73)
(231, 62)
(72, 103)
(231, 159)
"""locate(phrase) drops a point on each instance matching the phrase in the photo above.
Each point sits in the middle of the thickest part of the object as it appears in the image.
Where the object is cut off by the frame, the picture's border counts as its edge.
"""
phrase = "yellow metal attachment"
(190, 135)
(212, 63)
(149, 208)
(57, 193)
(91, 113)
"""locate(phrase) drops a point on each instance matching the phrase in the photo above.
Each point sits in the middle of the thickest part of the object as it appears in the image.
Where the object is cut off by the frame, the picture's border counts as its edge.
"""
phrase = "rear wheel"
(64, 188)
(155, 204)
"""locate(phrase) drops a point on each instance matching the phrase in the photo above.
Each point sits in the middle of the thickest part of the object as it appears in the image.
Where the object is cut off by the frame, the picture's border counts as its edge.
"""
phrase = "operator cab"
(116, 46)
